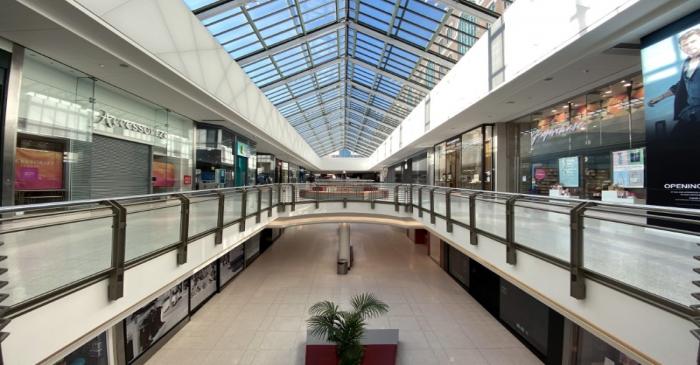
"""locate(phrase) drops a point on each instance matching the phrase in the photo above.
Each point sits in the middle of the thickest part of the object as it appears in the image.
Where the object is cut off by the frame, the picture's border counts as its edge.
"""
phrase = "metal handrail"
(403, 194)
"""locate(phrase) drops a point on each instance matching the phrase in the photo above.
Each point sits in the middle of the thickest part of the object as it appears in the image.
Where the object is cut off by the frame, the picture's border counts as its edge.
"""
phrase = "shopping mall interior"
(349, 182)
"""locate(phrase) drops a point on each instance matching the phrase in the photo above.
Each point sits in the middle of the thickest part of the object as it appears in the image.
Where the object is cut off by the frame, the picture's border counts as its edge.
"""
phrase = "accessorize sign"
(38, 169)
(111, 121)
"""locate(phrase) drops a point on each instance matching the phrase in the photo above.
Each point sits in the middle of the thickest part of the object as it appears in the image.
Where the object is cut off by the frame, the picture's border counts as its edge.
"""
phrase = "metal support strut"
(578, 282)
(510, 230)
(184, 228)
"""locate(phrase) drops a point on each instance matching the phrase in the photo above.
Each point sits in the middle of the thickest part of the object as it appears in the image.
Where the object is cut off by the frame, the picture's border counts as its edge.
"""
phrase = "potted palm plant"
(345, 328)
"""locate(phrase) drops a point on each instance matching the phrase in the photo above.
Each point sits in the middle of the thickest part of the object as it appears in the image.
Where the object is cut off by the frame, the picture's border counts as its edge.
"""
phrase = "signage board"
(568, 172)
(628, 168)
(38, 169)
(242, 149)
(671, 77)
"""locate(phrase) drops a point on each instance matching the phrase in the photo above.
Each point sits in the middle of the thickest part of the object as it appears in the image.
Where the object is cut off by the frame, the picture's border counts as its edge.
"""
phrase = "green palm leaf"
(345, 328)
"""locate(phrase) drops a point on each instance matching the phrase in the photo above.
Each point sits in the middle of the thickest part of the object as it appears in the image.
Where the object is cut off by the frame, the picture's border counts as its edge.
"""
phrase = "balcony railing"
(50, 250)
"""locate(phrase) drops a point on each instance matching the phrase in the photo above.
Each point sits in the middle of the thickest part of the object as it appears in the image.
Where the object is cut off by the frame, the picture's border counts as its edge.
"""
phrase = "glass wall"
(466, 161)
(591, 146)
(266, 169)
(81, 138)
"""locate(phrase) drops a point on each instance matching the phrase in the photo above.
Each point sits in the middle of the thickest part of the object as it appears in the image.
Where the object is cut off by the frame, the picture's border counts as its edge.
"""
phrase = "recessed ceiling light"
(628, 84)
(124, 65)
(102, 65)
(554, 110)
(549, 78)
(609, 92)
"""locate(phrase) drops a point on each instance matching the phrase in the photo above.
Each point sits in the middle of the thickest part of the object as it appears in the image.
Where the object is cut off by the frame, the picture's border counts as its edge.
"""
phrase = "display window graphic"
(163, 174)
(38, 169)
(671, 68)
(203, 285)
(628, 168)
(92, 353)
(231, 264)
(150, 323)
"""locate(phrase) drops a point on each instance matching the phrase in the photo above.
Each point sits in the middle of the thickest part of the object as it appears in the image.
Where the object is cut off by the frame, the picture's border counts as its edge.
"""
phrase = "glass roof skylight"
(345, 73)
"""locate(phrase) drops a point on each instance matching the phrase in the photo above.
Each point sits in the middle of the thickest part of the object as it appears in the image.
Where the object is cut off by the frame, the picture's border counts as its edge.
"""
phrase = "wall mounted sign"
(541, 135)
(110, 121)
(242, 149)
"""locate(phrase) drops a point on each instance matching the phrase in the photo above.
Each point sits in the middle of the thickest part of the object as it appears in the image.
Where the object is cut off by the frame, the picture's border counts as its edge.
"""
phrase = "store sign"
(110, 121)
(242, 149)
(541, 135)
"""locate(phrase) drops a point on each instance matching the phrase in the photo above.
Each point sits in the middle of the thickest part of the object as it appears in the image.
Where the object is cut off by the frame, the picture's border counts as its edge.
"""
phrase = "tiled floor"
(260, 317)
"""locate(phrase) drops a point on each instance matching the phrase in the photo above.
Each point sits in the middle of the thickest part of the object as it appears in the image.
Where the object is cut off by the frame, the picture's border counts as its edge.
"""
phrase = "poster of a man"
(686, 91)
(671, 70)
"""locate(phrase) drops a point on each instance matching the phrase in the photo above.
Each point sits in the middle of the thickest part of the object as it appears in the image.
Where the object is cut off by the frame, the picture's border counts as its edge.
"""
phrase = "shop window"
(567, 149)
(39, 170)
(92, 353)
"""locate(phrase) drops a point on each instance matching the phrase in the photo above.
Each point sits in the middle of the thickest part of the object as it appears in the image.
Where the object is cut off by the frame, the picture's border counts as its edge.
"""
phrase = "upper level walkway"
(76, 268)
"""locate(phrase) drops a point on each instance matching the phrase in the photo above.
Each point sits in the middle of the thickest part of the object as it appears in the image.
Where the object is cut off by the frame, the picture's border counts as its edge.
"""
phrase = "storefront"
(591, 146)
(466, 161)
(265, 169)
(413, 170)
(224, 158)
(81, 138)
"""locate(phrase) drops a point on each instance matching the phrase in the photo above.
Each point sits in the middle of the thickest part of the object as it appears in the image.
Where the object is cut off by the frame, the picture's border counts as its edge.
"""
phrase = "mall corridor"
(259, 318)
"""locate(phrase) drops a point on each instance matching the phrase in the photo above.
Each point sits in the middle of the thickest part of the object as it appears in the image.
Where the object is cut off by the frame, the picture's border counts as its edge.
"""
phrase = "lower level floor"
(259, 318)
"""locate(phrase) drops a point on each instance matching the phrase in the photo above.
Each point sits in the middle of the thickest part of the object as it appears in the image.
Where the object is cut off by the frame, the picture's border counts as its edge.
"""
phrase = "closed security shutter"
(119, 168)
(80, 169)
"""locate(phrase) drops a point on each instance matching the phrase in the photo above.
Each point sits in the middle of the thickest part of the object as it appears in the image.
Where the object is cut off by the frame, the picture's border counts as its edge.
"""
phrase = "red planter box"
(374, 355)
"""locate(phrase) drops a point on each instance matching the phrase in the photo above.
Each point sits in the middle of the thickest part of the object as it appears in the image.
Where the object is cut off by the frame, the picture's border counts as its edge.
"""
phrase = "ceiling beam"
(291, 43)
(361, 143)
(325, 115)
(376, 109)
(371, 91)
(472, 9)
(302, 74)
(399, 79)
(334, 85)
(367, 133)
(392, 127)
(440, 60)
(385, 134)
(219, 7)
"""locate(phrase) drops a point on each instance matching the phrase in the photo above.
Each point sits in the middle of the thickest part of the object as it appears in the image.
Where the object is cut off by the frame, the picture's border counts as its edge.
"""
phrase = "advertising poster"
(148, 324)
(38, 169)
(628, 168)
(231, 264)
(92, 353)
(568, 172)
(203, 285)
(671, 71)
(163, 174)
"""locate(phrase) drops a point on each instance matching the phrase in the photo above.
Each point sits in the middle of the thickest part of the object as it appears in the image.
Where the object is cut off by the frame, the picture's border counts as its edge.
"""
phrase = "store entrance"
(241, 170)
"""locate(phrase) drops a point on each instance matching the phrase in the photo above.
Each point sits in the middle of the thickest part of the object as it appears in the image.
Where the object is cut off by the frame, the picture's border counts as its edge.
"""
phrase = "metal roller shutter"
(119, 168)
